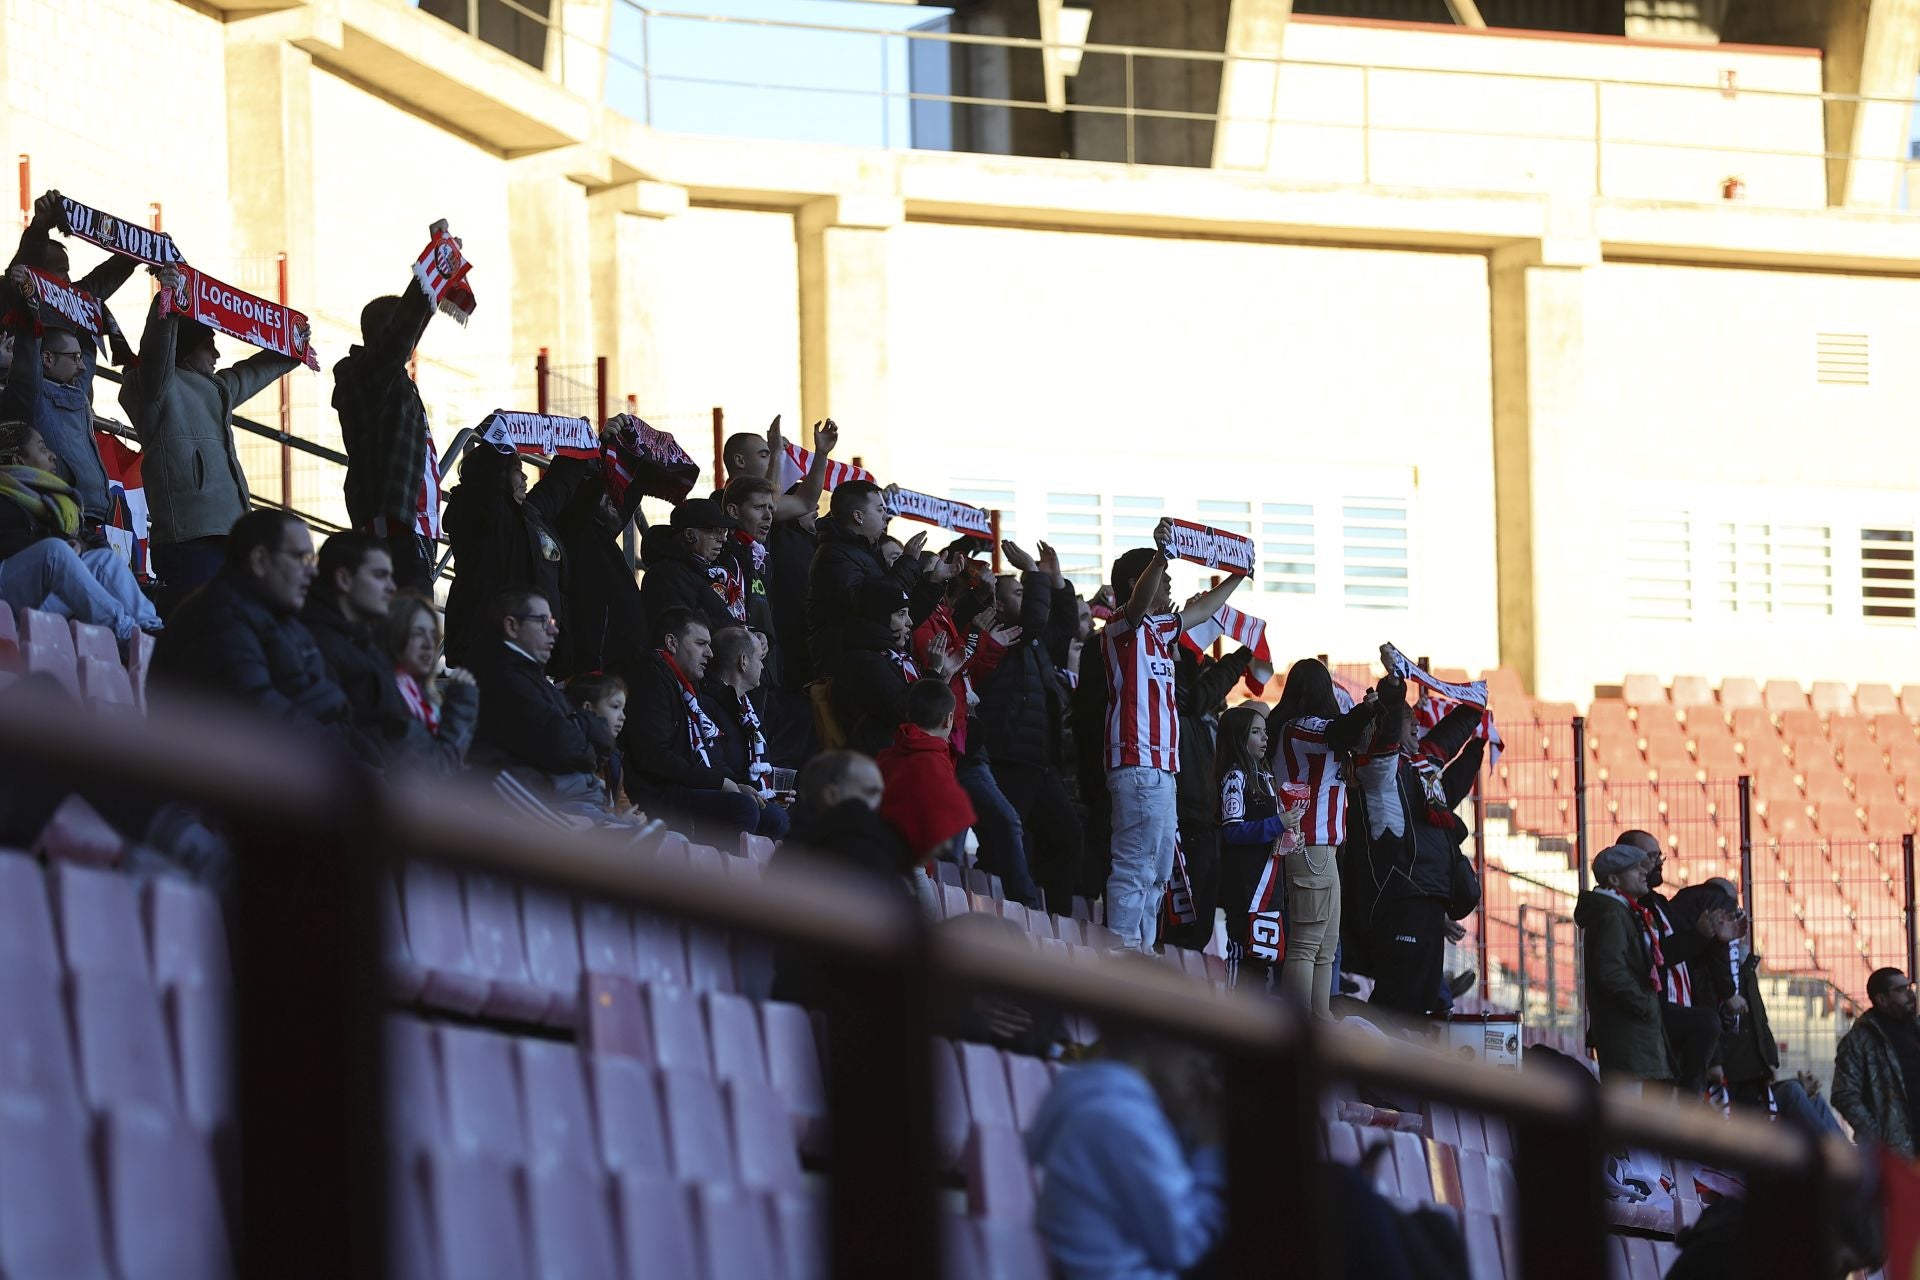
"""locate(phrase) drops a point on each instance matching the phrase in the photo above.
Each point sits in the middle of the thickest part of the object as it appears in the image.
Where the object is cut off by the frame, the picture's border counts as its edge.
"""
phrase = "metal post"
(993, 520)
(1366, 127)
(305, 937)
(1520, 973)
(540, 367)
(1906, 913)
(886, 99)
(1746, 850)
(154, 217)
(1553, 977)
(1480, 869)
(286, 407)
(1580, 798)
(1563, 1230)
(599, 392)
(473, 18)
(720, 444)
(646, 66)
(1272, 1104)
(26, 188)
(1129, 63)
(1599, 146)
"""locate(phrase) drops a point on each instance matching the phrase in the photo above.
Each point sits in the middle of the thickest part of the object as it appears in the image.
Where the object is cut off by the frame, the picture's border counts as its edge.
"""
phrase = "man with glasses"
(240, 637)
(50, 387)
(525, 723)
(1876, 1071)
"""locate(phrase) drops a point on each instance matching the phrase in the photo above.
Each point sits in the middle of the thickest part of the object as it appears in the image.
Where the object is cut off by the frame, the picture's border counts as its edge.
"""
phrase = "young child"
(924, 801)
(1252, 819)
(605, 697)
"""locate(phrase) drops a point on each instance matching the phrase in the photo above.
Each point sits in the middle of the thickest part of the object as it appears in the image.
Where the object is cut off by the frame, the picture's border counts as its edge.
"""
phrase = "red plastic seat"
(950, 1117)
(793, 1069)
(627, 1119)
(26, 925)
(481, 1231)
(553, 1097)
(763, 1148)
(139, 659)
(696, 1127)
(552, 940)
(1482, 1235)
(612, 1021)
(734, 1232)
(405, 977)
(201, 1021)
(96, 644)
(570, 1221)
(189, 935)
(49, 1207)
(710, 960)
(500, 951)
(652, 1215)
(800, 1235)
(413, 1087)
(483, 1097)
(106, 686)
(733, 1030)
(758, 848)
(122, 1039)
(1011, 1250)
(48, 630)
(679, 1034)
(9, 640)
(1028, 1083)
(659, 950)
(163, 1203)
(76, 833)
(999, 1179)
(437, 937)
(606, 938)
(36, 1051)
(984, 1076)
(59, 664)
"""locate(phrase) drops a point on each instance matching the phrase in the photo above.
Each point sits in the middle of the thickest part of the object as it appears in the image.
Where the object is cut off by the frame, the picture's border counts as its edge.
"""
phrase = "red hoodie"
(924, 801)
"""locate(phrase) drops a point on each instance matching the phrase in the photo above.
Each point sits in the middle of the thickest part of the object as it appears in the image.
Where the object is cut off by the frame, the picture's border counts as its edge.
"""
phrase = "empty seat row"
(72, 918)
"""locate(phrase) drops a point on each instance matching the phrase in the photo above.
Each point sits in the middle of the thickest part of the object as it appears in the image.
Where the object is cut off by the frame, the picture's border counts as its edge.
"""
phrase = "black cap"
(878, 599)
(702, 513)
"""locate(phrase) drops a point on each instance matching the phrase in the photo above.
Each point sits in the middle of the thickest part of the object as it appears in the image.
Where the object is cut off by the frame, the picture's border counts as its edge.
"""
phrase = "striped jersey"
(1142, 725)
(1676, 982)
(1306, 760)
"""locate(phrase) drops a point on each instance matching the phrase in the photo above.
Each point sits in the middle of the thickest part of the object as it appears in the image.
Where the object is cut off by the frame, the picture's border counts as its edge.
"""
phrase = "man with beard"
(1693, 1024)
(1876, 1071)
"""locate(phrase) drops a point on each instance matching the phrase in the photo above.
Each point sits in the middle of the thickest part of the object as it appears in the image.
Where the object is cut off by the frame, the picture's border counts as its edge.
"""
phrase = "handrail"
(313, 833)
(248, 425)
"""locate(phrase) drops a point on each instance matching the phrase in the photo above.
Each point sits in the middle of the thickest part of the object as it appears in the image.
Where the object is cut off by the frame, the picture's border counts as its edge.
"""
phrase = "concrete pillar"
(553, 261)
(270, 150)
(1869, 48)
(1539, 420)
(632, 240)
(843, 318)
(1250, 83)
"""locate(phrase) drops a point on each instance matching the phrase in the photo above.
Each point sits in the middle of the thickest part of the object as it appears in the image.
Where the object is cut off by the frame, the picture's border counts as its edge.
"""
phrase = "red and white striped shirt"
(1143, 727)
(1306, 760)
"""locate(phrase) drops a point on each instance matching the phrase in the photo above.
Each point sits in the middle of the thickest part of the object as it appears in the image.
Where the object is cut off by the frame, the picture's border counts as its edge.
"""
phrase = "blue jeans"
(1145, 824)
(182, 566)
(92, 586)
(725, 813)
(1003, 843)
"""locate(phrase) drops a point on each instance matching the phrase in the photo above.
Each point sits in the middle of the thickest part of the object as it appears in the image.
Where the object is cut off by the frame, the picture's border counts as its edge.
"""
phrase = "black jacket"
(841, 563)
(499, 543)
(851, 836)
(364, 673)
(605, 616)
(524, 719)
(225, 640)
(732, 753)
(655, 744)
(790, 548)
(1200, 685)
(19, 530)
(738, 557)
(869, 693)
(677, 579)
(1021, 719)
(383, 423)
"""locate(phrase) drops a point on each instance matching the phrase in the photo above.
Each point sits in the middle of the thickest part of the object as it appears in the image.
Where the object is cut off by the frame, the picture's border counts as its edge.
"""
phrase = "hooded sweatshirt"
(1121, 1197)
(924, 801)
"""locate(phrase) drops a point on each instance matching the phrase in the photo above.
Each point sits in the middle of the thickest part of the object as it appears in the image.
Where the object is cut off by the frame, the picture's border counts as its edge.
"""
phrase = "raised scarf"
(239, 314)
(1648, 930)
(418, 704)
(86, 313)
(117, 235)
(442, 269)
(701, 730)
(42, 495)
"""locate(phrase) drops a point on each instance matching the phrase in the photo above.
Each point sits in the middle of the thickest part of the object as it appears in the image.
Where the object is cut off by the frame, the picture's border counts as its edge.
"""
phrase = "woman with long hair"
(1251, 819)
(1309, 749)
(42, 562)
(443, 712)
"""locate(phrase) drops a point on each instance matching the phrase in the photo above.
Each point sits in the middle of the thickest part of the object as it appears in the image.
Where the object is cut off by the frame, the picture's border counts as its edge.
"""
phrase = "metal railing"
(312, 833)
(1378, 137)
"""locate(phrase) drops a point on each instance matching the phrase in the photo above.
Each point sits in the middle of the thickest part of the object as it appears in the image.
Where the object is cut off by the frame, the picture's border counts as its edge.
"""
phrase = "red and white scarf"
(1244, 629)
(1649, 933)
(944, 513)
(86, 313)
(240, 314)
(701, 730)
(442, 271)
(903, 663)
(1266, 931)
(756, 551)
(1677, 983)
(795, 462)
(731, 586)
(1441, 696)
(117, 235)
(418, 704)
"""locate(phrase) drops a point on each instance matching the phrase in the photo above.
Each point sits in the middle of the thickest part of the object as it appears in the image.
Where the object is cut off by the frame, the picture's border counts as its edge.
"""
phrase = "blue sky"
(822, 86)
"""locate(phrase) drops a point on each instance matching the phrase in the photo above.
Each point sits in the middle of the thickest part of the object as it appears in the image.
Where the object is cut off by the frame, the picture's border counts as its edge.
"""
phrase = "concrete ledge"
(1736, 235)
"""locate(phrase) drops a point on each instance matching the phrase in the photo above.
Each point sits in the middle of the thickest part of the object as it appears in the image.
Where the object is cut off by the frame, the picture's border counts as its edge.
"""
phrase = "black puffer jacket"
(364, 673)
(499, 543)
(1200, 685)
(525, 720)
(1023, 704)
(656, 744)
(225, 640)
(790, 549)
(869, 693)
(606, 620)
(676, 578)
(842, 561)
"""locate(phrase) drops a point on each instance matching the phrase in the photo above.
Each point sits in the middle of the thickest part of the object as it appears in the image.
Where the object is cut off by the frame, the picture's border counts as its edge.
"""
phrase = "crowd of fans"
(883, 703)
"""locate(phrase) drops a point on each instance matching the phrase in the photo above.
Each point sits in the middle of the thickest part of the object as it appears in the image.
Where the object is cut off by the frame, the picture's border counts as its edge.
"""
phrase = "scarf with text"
(117, 235)
(636, 454)
(1649, 932)
(548, 434)
(442, 270)
(795, 462)
(1213, 548)
(239, 314)
(1248, 631)
(1440, 696)
(419, 706)
(86, 313)
(944, 513)
(1266, 927)
(701, 731)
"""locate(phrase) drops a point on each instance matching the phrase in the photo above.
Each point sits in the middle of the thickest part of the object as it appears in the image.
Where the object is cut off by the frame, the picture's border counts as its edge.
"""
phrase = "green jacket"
(1869, 1091)
(1623, 1008)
